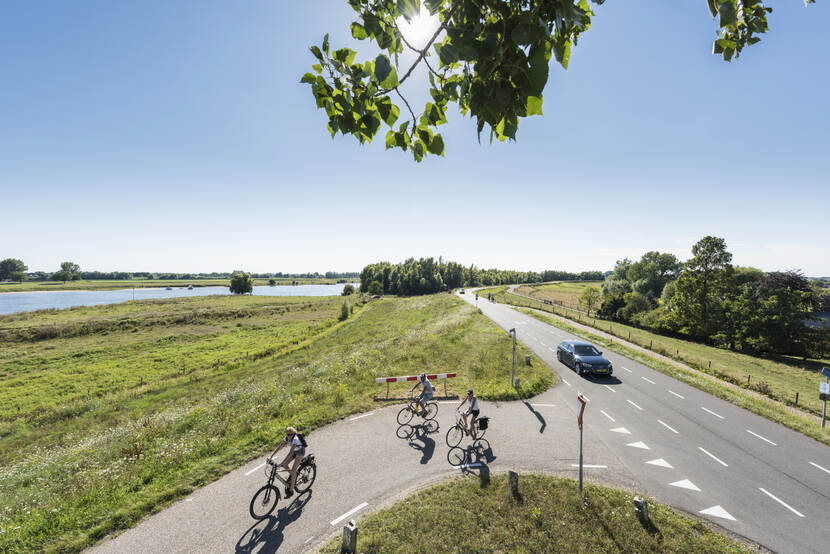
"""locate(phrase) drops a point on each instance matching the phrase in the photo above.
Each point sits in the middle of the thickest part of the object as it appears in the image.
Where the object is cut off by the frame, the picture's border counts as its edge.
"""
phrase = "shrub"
(375, 288)
(344, 311)
(348, 289)
(241, 283)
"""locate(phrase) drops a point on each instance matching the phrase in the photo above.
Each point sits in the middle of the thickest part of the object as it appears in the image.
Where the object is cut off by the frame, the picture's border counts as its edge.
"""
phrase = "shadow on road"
(538, 416)
(267, 535)
(613, 380)
(419, 439)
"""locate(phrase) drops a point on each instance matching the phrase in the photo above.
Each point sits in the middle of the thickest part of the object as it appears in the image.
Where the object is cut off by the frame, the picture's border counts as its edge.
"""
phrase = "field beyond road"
(104, 284)
(109, 413)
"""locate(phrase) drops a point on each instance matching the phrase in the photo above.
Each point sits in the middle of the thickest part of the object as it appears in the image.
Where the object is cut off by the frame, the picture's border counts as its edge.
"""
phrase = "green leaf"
(326, 43)
(713, 8)
(525, 33)
(436, 145)
(534, 106)
(358, 31)
(409, 9)
(389, 112)
(385, 74)
(447, 53)
(728, 14)
(418, 150)
(391, 140)
(309, 78)
(317, 53)
(317, 67)
(539, 69)
(345, 55)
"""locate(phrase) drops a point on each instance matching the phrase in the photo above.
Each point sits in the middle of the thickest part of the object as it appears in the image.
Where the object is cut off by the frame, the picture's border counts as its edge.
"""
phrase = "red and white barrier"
(388, 380)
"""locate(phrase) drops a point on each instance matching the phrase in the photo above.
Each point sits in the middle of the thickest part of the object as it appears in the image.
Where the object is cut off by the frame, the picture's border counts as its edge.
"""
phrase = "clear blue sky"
(175, 136)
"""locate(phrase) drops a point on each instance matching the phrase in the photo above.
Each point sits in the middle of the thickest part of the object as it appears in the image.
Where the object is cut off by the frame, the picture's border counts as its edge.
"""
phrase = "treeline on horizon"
(126, 276)
(707, 299)
(426, 276)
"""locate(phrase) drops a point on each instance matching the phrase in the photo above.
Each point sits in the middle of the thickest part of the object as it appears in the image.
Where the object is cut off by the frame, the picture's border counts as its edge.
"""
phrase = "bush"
(344, 311)
(375, 288)
(348, 289)
(241, 283)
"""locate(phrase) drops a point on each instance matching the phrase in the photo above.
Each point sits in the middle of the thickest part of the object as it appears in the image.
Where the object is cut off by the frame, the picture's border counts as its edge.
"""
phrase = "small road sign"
(824, 388)
(825, 372)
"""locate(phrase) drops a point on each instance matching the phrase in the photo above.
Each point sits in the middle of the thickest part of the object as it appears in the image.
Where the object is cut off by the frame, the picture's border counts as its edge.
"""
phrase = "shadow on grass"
(266, 536)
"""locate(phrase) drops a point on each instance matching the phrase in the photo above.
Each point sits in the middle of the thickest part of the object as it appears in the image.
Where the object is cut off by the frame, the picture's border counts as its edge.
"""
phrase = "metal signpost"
(824, 392)
(582, 403)
(513, 371)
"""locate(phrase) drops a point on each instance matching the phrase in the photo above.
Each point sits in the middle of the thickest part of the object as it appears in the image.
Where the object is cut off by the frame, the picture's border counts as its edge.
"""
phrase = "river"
(13, 302)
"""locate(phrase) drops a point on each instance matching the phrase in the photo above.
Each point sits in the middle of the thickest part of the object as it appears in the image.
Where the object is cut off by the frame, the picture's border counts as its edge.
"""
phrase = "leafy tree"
(345, 310)
(611, 305)
(68, 272)
(490, 57)
(652, 272)
(241, 283)
(668, 292)
(13, 269)
(615, 287)
(635, 303)
(272, 282)
(703, 287)
(348, 289)
(375, 288)
(589, 298)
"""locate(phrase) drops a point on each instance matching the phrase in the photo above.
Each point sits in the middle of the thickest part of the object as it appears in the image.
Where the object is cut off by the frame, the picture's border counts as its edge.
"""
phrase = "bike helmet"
(469, 392)
(422, 376)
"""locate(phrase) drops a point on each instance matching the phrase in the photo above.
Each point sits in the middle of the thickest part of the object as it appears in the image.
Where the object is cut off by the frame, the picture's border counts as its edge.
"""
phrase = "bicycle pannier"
(483, 422)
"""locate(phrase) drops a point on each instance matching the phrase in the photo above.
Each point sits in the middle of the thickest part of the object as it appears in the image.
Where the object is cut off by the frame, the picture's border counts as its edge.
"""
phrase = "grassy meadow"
(472, 515)
(108, 413)
(562, 292)
(103, 284)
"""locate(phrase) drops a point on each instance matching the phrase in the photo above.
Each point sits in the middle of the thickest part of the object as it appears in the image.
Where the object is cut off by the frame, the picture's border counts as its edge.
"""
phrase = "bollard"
(527, 359)
(513, 483)
(641, 507)
(796, 399)
(516, 384)
(349, 545)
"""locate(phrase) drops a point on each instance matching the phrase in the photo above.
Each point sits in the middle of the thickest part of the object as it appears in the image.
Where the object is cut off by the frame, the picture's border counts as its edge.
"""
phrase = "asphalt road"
(643, 431)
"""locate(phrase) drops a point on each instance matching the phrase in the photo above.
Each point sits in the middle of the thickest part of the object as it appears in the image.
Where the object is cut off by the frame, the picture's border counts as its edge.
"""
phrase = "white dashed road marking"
(256, 468)
(760, 437)
(647, 379)
(711, 412)
(590, 466)
(551, 349)
(677, 395)
(821, 468)
(635, 405)
(309, 539)
(790, 508)
(625, 368)
(567, 383)
(364, 415)
(667, 427)
(614, 421)
(721, 462)
(685, 484)
(350, 512)
(609, 388)
(717, 511)
(585, 397)
(546, 405)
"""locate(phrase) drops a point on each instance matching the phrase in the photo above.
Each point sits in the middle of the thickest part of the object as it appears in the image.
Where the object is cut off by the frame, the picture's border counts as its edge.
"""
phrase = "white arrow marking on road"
(609, 388)
(721, 462)
(685, 484)
(667, 427)
(256, 468)
(567, 383)
(790, 508)
(350, 512)
(622, 430)
(677, 395)
(612, 419)
(821, 468)
(647, 379)
(364, 415)
(639, 444)
(760, 437)
(717, 511)
(625, 368)
(660, 462)
(711, 412)
(594, 466)
(635, 405)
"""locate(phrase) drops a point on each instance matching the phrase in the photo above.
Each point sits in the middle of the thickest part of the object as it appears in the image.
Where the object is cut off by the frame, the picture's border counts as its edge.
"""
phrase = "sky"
(176, 137)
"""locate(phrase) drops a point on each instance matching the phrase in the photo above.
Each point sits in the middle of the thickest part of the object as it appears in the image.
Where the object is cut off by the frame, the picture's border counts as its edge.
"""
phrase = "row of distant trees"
(12, 269)
(707, 299)
(426, 275)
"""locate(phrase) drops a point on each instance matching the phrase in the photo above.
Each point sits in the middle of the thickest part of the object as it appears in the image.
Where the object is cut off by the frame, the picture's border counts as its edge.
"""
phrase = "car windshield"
(586, 350)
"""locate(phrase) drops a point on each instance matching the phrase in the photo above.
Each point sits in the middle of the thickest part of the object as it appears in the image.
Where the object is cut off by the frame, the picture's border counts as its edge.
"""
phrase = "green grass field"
(35, 286)
(109, 413)
(473, 515)
(564, 292)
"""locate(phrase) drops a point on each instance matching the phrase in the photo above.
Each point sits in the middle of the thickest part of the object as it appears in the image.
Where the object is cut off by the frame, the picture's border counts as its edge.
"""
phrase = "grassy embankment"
(463, 516)
(109, 413)
(35, 286)
(774, 377)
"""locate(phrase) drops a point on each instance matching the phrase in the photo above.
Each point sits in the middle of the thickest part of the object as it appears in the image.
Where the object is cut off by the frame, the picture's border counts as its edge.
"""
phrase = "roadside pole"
(513, 371)
(582, 403)
(824, 392)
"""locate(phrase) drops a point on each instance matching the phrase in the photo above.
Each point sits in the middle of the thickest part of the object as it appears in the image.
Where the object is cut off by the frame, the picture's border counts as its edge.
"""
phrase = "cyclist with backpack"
(472, 409)
(296, 451)
(426, 393)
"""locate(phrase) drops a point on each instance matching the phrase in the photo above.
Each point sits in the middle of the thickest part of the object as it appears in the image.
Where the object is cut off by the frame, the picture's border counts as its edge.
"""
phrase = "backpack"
(302, 439)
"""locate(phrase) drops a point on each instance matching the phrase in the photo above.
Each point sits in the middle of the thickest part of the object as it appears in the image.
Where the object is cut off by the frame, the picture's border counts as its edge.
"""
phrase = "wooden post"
(796, 399)
(349, 545)
(748, 379)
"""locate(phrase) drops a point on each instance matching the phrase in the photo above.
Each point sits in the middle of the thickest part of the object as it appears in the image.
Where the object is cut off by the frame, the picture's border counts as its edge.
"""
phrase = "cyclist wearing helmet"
(472, 409)
(296, 451)
(426, 394)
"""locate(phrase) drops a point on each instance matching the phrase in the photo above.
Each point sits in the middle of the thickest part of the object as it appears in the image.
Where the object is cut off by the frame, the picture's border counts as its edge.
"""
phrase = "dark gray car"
(583, 356)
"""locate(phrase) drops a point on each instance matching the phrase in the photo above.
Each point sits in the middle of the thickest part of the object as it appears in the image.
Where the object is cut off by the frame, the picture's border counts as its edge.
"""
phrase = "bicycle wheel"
(432, 410)
(264, 501)
(305, 476)
(405, 415)
(454, 436)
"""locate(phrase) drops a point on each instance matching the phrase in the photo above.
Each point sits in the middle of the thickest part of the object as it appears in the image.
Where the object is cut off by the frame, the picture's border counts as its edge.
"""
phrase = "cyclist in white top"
(472, 409)
(296, 451)
(426, 394)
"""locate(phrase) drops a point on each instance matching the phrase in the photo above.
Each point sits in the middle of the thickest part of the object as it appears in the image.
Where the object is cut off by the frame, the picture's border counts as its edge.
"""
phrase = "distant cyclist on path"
(472, 409)
(426, 394)
(296, 451)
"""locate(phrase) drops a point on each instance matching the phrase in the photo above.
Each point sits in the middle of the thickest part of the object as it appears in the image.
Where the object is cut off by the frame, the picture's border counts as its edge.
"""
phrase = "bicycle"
(408, 411)
(266, 498)
(457, 431)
